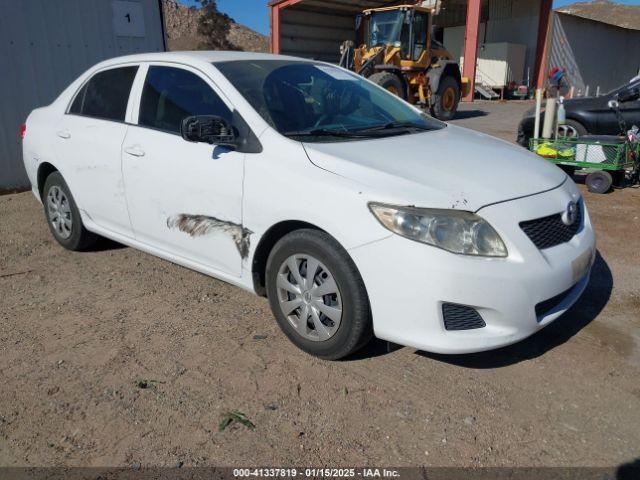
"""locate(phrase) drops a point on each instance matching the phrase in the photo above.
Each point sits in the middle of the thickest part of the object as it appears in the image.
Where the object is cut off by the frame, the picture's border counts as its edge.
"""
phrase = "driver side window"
(172, 94)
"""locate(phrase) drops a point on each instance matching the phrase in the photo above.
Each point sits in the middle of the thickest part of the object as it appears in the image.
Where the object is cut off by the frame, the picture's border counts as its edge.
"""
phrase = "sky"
(252, 13)
(255, 14)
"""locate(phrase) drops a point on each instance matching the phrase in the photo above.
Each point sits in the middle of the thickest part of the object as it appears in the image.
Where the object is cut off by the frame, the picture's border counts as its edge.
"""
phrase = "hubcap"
(567, 131)
(448, 99)
(309, 297)
(59, 212)
(393, 90)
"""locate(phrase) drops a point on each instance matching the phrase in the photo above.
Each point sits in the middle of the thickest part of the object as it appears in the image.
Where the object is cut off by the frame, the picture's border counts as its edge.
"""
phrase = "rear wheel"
(599, 181)
(317, 295)
(390, 82)
(62, 215)
(446, 100)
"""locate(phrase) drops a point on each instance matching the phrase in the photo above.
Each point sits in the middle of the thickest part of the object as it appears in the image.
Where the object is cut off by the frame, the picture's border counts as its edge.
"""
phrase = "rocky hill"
(182, 30)
(606, 11)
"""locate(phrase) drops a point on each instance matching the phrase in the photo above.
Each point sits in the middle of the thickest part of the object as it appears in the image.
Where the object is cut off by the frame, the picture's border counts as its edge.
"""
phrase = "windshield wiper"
(395, 125)
(378, 130)
(324, 132)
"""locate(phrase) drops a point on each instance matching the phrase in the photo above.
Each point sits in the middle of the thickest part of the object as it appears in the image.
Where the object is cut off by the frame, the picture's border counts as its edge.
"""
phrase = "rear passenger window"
(172, 94)
(106, 95)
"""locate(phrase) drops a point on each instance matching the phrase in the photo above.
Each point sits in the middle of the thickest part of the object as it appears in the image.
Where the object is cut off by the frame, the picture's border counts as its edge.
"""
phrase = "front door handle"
(64, 134)
(135, 151)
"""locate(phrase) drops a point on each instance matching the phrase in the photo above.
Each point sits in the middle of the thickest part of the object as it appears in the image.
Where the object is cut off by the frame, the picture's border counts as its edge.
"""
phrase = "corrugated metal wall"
(44, 45)
(507, 21)
(315, 33)
(593, 54)
(316, 28)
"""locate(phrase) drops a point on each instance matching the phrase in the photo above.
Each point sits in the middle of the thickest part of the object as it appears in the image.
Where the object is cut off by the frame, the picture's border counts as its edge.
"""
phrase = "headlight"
(452, 230)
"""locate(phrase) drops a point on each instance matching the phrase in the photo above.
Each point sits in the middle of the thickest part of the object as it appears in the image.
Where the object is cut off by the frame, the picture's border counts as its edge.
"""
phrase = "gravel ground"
(113, 357)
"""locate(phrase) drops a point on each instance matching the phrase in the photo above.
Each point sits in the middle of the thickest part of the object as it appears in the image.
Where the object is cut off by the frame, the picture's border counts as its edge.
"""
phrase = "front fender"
(282, 184)
(445, 68)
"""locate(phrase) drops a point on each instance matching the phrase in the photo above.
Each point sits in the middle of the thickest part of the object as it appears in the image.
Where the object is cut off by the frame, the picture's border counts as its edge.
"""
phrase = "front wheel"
(317, 295)
(446, 100)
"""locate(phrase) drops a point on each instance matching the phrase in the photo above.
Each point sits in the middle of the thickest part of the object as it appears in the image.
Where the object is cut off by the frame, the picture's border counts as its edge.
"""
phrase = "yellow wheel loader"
(396, 50)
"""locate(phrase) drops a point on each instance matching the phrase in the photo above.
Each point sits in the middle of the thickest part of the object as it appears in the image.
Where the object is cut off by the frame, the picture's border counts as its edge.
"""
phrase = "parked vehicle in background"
(518, 91)
(588, 116)
(306, 183)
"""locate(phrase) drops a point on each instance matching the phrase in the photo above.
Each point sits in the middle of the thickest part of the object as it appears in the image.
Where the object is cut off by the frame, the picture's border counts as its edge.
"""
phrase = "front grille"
(547, 232)
(546, 306)
(461, 317)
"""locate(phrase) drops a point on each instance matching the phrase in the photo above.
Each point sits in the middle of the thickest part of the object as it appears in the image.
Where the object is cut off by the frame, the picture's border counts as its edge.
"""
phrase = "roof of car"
(205, 56)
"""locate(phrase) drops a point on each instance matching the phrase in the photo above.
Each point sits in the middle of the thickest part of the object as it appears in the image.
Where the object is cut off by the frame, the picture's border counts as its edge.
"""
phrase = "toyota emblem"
(571, 214)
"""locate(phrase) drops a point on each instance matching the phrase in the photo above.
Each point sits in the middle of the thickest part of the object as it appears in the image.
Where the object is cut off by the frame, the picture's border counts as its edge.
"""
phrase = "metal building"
(45, 44)
(597, 44)
(316, 28)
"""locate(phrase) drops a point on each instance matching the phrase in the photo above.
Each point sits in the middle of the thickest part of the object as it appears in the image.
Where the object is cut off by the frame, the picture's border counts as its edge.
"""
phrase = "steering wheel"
(323, 119)
(337, 102)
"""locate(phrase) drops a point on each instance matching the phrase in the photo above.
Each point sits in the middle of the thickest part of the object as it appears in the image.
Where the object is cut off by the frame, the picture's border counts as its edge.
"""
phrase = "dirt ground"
(113, 357)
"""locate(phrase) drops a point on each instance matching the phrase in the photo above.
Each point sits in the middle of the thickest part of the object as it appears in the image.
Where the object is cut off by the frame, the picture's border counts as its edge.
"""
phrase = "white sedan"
(352, 211)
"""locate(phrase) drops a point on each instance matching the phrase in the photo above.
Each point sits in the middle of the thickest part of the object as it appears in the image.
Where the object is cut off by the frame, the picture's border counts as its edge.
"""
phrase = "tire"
(56, 197)
(523, 137)
(390, 82)
(336, 337)
(599, 181)
(574, 128)
(446, 100)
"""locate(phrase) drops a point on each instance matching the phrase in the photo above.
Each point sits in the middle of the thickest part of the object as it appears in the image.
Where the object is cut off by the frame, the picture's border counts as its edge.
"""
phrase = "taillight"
(22, 132)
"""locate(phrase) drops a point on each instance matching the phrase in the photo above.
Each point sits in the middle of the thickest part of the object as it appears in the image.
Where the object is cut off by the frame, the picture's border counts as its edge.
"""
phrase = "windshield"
(385, 27)
(318, 100)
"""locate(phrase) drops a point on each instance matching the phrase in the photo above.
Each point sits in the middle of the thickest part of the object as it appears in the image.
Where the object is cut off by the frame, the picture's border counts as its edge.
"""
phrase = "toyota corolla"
(355, 213)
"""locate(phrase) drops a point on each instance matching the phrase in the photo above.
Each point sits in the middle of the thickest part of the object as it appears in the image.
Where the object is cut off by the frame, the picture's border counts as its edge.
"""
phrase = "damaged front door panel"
(198, 225)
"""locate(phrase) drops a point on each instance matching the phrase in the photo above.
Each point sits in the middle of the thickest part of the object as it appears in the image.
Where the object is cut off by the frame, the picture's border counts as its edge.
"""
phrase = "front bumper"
(408, 282)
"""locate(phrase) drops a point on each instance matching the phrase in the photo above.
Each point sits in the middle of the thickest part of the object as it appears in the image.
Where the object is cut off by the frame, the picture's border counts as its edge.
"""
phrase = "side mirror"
(628, 95)
(208, 129)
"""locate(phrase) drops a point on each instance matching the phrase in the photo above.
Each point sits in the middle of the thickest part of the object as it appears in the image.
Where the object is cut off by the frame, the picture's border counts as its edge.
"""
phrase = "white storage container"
(500, 64)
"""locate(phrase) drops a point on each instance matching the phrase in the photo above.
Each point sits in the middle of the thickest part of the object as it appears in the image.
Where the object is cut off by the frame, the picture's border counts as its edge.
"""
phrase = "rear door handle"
(134, 151)
(64, 134)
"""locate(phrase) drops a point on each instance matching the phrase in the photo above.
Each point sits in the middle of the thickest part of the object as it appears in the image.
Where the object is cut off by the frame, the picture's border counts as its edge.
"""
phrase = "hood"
(574, 104)
(449, 168)
(585, 103)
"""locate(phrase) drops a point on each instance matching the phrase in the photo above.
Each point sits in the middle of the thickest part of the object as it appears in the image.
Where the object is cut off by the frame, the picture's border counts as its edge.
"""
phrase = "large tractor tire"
(446, 100)
(390, 82)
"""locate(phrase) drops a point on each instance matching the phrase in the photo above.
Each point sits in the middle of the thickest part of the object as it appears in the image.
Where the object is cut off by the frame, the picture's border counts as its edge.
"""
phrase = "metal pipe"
(536, 128)
(549, 118)
(472, 31)
(561, 117)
